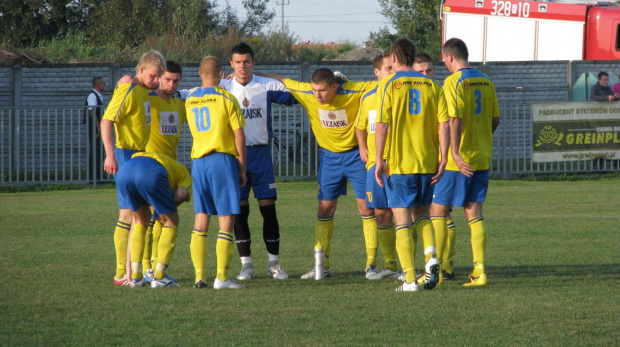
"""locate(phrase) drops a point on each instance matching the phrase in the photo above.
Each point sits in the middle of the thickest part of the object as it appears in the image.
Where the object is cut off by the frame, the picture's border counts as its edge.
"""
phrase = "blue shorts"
(456, 189)
(123, 155)
(260, 174)
(375, 194)
(144, 181)
(216, 184)
(409, 190)
(334, 171)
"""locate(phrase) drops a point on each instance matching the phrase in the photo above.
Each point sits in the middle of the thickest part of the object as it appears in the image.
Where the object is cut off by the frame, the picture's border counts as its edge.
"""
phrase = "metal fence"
(49, 146)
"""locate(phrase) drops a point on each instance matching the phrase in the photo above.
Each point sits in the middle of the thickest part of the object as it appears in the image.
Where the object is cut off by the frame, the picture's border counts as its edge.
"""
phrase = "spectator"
(601, 91)
(616, 87)
(94, 101)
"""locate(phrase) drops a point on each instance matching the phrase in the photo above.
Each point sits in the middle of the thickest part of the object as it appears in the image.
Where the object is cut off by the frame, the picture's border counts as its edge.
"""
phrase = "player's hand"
(441, 168)
(380, 170)
(230, 76)
(110, 165)
(125, 79)
(463, 166)
(364, 154)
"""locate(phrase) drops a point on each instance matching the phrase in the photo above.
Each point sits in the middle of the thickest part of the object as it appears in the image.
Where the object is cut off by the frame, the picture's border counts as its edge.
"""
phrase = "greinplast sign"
(572, 131)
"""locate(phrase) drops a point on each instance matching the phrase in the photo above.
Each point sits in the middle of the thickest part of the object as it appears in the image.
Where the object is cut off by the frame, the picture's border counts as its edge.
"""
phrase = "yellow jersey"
(178, 175)
(409, 102)
(212, 115)
(130, 110)
(333, 124)
(367, 120)
(470, 96)
(167, 118)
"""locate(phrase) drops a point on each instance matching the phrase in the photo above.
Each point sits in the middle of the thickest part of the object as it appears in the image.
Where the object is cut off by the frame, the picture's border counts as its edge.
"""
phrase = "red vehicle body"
(498, 30)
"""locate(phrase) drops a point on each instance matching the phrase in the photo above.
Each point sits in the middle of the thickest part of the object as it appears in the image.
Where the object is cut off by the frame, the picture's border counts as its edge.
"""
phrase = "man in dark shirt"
(94, 101)
(601, 90)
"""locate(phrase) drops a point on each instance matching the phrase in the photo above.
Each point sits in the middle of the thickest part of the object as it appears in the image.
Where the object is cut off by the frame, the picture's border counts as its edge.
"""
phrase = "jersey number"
(478, 96)
(415, 106)
(203, 118)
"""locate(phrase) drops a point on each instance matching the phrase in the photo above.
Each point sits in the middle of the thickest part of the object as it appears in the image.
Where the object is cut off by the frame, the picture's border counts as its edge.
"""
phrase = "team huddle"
(411, 149)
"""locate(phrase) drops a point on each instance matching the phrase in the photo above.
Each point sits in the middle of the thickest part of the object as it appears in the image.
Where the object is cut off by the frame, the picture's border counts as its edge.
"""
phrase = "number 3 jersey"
(213, 114)
(470, 95)
(410, 103)
(255, 100)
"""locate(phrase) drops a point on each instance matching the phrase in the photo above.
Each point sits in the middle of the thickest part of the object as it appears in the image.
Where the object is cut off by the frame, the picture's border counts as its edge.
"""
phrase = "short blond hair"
(210, 66)
(152, 58)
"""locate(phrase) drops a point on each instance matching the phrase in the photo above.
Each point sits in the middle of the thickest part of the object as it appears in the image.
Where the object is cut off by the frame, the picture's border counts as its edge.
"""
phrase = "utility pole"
(282, 3)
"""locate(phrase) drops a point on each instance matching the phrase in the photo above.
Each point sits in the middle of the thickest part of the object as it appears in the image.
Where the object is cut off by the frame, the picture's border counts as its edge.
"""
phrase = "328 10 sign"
(509, 9)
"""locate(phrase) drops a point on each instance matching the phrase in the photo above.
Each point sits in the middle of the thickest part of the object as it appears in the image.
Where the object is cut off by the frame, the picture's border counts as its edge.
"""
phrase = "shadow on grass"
(565, 270)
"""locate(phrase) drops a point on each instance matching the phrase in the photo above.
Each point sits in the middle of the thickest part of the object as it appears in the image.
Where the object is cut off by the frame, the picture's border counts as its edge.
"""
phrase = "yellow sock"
(448, 253)
(121, 233)
(137, 247)
(148, 241)
(425, 228)
(156, 235)
(224, 250)
(198, 252)
(387, 240)
(369, 223)
(404, 246)
(441, 234)
(323, 232)
(478, 244)
(166, 246)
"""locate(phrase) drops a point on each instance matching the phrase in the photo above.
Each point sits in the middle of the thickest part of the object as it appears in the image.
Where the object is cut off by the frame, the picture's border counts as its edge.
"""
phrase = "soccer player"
(218, 170)
(409, 164)
(129, 111)
(375, 195)
(153, 179)
(167, 118)
(424, 65)
(332, 108)
(471, 103)
(255, 95)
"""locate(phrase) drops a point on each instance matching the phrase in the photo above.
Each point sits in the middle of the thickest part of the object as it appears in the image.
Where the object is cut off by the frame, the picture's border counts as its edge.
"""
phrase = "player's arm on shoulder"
(184, 93)
(126, 79)
(278, 78)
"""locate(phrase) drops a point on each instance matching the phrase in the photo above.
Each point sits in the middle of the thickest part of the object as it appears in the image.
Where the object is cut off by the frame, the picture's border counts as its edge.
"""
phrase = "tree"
(26, 21)
(416, 20)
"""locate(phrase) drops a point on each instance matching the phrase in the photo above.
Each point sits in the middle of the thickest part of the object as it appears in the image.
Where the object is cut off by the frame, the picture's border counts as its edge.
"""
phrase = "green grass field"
(553, 268)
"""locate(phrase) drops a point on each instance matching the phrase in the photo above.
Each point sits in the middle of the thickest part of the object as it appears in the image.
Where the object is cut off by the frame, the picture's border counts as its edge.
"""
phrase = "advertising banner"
(572, 131)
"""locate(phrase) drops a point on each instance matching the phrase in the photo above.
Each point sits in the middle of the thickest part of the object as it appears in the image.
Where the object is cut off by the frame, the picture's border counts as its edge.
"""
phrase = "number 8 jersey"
(212, 115)
(470, 95)
(409, 102)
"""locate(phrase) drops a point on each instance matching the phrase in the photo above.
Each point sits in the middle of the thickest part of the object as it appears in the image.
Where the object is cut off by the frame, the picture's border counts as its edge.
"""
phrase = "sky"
(326, 20)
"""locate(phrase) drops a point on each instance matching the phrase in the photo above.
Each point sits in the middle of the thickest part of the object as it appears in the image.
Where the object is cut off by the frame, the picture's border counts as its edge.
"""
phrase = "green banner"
(575, 131)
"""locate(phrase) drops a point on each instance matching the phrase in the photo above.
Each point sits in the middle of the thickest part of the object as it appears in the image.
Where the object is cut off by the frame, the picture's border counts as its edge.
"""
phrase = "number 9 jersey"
(470, 95)
(212, 115)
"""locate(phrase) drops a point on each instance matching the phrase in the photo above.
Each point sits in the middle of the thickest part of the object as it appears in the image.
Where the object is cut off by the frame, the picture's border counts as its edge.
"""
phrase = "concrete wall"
(68, 84)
